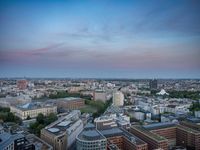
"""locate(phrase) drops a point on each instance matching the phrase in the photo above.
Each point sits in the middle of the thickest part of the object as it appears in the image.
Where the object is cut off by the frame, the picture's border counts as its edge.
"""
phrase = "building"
(91, 139)
(100, 95)
(112, 120)
(188, 137)
(32, 110)
(197, 114)
(166, 130)
(14, 142)
(118, 98)
(62, 133)
(119, 138)
(70, 103)
(169, 135)
(153, 84)
(38, 143)
(19, 141)
(75, 89)
(22, 84)
(154, 141)
(184, 135)
(104, 122)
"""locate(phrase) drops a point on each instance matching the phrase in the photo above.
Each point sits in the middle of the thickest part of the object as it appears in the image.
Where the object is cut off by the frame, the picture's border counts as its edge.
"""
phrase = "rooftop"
(155, 126)
(38, 143)
(69, 98)
(6, 138)
(148, 133)
(64, 124)
(33, 105)
(188, 129)
(122, 132)
(90, 135)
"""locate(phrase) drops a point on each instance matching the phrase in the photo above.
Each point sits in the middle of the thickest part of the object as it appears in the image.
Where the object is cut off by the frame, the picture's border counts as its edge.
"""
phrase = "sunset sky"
(100, 38)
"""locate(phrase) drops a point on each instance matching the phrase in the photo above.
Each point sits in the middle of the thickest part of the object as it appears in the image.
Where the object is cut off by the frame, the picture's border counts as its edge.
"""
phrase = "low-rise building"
(100, 95)
(70, 103)
(154, 141)
(14, 142)
(122, 139)
(32, 110)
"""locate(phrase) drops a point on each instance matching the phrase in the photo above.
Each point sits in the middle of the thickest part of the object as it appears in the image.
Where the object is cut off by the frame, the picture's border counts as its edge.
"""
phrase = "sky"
(100, 38)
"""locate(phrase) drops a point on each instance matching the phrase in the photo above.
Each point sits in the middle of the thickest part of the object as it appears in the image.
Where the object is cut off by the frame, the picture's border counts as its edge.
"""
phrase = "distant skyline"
(100, 38)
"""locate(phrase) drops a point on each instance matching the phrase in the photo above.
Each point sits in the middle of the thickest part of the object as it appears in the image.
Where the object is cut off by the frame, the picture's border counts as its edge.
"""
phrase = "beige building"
(32, 110)
(62, 133)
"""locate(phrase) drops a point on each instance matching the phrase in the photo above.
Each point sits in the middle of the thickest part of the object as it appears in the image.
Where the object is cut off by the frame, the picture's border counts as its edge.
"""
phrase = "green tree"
(40, 118)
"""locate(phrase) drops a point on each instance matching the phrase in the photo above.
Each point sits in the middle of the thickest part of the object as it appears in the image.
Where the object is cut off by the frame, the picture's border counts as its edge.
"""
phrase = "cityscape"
(100, 75)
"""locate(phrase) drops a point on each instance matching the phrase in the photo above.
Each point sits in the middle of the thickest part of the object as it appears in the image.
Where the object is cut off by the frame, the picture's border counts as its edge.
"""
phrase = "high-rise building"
(118, 98)
(153, 84)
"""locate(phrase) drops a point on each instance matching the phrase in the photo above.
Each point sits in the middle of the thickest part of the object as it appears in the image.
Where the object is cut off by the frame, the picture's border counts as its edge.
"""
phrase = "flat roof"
(122, 132)
(33, 105)
(90, 135)
(70, 98)
(7, 138)
(63, 124)
(39, 143)
(188, 129)
(160, 125)
(148, 133)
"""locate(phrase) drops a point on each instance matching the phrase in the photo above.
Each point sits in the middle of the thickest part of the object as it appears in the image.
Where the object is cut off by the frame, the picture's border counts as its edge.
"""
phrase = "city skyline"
(100, 39)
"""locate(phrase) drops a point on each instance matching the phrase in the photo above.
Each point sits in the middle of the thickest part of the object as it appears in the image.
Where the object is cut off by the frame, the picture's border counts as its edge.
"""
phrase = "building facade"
(62, 133)
(91, 139)
(32, 111)
(118, 98)
(70, 103)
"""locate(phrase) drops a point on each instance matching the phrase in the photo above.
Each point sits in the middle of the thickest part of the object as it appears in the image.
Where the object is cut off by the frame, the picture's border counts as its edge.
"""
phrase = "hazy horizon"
(100, 39)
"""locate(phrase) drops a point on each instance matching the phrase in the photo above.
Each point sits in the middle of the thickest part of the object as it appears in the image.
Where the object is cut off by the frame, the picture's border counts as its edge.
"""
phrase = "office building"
(169, 135)
(154, 141)
(91, 139)
(62, 133)
(104, 122)
(120, 138)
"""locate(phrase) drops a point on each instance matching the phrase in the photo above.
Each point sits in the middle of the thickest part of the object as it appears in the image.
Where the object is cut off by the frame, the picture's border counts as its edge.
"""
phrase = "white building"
(32, 110)
(197, 114)
(118, 98)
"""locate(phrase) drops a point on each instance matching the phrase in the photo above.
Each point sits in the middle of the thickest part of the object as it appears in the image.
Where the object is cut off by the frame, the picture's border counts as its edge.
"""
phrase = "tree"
(51, 118)
(40, 118)
(41, 122)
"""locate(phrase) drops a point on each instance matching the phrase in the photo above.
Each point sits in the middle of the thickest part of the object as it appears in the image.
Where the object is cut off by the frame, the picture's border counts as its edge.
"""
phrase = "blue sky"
(100, 38)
